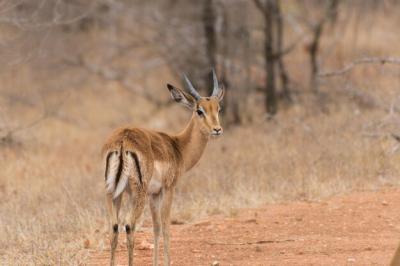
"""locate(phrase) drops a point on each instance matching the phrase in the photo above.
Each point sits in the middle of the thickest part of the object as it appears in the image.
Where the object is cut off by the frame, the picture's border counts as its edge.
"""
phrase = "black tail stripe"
(135, 157)
(119, 168)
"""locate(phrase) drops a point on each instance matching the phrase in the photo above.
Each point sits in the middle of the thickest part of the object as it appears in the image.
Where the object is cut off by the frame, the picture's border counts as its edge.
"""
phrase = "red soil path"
(362, 228)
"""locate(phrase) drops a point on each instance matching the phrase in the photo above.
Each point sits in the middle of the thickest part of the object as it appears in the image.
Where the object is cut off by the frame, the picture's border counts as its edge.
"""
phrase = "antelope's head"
(206, 109)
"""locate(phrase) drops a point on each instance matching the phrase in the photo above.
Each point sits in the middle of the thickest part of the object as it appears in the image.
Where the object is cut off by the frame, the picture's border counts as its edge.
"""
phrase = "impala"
(141, 162)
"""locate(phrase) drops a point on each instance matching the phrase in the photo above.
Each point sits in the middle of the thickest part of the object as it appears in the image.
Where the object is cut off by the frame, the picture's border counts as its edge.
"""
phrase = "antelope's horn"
(216, 86)
(191, 89)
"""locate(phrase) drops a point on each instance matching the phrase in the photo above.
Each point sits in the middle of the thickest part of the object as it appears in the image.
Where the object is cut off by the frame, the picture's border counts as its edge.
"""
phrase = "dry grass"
(51, 185)
(52, 198)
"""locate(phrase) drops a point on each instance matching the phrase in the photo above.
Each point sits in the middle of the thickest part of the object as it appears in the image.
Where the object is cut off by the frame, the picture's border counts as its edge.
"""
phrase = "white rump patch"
(154, 186)
(156, 180)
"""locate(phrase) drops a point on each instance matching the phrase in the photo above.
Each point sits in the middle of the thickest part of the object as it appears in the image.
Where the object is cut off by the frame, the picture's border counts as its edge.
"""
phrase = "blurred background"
(311, 108)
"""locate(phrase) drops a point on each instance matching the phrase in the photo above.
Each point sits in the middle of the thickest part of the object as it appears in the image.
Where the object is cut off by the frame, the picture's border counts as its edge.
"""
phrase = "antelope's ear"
(221, 93)
(181, 97)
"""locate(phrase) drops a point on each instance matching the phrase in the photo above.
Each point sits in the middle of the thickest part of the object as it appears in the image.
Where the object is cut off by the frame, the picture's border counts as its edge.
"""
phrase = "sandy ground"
(362, 228)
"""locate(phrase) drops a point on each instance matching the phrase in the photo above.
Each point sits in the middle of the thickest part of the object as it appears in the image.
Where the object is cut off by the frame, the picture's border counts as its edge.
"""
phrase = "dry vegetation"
(51, 181)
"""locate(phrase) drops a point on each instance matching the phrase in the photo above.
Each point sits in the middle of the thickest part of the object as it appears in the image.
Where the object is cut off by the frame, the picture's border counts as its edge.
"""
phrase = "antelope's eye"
(199, 112)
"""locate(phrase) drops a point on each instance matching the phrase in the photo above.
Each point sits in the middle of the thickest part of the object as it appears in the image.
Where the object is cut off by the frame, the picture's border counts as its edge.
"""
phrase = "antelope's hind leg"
(113, 206)
(137, 201)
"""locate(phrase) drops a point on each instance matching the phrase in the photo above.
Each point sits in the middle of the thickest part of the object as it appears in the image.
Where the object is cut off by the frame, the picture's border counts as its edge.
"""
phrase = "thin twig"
(396, 137)
(250, 243)
(361, 61)
(8, 135)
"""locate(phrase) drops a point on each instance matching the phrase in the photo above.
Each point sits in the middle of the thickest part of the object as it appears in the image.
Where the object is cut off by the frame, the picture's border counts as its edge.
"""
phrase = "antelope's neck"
(192, 142)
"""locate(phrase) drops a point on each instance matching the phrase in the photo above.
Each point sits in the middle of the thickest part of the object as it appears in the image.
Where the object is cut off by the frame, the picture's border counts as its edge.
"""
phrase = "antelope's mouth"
(216, 133)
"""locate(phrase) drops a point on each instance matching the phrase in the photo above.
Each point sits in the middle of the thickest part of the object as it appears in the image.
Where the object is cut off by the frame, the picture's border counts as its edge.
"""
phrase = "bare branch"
(7, 136)
(110, 74)
(361, 61)
(259, 5)
(31, 22)
(396, 137)
(290, 47)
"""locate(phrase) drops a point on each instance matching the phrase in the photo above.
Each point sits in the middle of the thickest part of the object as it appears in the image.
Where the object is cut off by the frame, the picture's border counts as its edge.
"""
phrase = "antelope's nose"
(218, 130)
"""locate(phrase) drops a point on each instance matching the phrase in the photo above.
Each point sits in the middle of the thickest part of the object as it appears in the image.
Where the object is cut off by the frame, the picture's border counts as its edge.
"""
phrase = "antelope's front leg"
(154, 203)
(165, 221)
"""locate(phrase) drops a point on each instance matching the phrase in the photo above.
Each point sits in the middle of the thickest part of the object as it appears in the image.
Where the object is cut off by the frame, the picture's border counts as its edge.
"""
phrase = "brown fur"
(175, 153)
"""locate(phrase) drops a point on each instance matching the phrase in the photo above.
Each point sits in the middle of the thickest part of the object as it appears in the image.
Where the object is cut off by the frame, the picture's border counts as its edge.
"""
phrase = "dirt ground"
(362, 228)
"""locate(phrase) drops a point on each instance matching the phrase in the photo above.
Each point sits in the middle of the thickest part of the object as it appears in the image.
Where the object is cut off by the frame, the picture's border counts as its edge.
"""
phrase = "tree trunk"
(271, 103)
(330, 14)
(286, 94)
(209, 19)
(314, 49)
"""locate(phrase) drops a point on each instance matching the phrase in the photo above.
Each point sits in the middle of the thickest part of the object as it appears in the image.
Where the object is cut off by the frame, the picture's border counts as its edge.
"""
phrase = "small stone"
(385, 203)
(86, 243)
(145, 246)
(177, 222)
(215, 263)
(351, 259)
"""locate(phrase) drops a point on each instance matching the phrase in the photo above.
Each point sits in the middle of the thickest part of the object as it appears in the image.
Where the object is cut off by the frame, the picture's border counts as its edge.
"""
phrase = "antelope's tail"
(120, 166)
